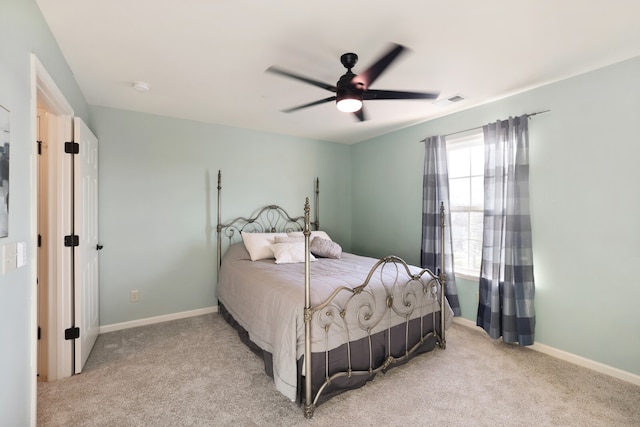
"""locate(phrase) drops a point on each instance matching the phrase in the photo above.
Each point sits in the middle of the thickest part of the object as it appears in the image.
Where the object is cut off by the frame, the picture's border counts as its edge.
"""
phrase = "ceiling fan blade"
(395, 94)
(367, 77)
(308, 80)
(311, 104)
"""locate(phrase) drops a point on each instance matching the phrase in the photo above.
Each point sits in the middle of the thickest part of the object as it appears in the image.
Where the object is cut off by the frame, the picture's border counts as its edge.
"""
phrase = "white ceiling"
(205, 59)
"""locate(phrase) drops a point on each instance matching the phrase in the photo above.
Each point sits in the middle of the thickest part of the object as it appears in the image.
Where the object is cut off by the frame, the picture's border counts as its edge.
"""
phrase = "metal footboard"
(360, 312)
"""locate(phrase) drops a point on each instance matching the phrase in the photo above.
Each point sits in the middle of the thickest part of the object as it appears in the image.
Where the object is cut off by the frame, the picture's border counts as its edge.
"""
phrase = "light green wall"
(158, 202)
(584, 206)
(157, 195)
(23, 31)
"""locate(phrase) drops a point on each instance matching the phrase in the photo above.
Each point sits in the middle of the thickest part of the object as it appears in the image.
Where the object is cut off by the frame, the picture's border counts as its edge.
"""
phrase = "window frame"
(468, 140)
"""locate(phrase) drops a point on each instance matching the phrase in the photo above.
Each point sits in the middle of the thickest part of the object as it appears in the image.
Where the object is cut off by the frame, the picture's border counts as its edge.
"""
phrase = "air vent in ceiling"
(445, 102)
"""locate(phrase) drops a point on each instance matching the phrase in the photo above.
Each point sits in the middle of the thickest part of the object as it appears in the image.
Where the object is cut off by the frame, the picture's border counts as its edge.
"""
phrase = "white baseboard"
(465, 322)
(157, 319)
(570, 357)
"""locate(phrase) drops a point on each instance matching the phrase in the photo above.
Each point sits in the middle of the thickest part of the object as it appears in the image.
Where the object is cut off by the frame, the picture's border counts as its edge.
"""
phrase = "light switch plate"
(8, 257)
(21, 254)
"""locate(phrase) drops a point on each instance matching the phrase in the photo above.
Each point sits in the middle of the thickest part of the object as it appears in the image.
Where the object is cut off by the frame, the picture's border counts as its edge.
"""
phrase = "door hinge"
(39, 147)
(39, 333)
(72, 240)
(39, 240)
(72, 333)
(71, 147)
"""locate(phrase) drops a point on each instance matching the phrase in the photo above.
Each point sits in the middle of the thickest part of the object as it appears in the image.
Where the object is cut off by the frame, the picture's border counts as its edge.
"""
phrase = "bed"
(294, 296)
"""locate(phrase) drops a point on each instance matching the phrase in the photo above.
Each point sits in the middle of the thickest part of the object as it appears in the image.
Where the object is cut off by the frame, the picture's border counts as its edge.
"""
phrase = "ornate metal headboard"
(269, 219)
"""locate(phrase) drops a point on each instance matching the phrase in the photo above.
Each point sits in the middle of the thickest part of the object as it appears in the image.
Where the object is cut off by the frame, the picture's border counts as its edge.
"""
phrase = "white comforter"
(267, 299)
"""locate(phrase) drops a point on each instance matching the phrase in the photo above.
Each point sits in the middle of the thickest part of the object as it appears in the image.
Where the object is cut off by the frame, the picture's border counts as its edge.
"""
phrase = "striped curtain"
(435, 190)
(506, 278)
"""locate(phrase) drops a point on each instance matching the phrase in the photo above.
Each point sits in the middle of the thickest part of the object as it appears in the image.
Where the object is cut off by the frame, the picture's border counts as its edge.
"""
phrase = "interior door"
(85, 220)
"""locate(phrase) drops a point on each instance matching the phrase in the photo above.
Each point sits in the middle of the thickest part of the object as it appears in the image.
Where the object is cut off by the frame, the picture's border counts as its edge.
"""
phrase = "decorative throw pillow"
(325, 248)
(288, 253)
(259, 244)
(322, 234)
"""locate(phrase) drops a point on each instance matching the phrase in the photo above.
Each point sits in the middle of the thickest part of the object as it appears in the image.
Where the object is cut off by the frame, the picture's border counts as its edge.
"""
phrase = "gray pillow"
(325, 248)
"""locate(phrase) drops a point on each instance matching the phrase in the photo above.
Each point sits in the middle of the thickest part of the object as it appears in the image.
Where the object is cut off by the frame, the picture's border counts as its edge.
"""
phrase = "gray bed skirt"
(338, 357)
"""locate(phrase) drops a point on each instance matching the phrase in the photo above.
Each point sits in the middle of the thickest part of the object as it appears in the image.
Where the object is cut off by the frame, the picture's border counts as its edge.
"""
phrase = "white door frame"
(45, 93)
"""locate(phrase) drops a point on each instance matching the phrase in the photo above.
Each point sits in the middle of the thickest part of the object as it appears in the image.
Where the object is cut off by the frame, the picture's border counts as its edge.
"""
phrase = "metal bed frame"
(268, 219)
(403, 293)
(407, 294)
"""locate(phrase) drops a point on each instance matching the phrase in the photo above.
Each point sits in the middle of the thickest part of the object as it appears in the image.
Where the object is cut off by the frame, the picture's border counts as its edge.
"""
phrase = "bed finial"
(307, 209)
(316, 205)
(219, 228)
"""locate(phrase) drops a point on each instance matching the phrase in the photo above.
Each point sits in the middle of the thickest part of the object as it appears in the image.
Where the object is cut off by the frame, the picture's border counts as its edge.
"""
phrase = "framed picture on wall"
(4, 171)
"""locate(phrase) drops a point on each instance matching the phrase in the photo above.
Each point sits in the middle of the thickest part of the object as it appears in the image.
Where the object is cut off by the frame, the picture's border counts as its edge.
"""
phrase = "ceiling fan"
(352, 89)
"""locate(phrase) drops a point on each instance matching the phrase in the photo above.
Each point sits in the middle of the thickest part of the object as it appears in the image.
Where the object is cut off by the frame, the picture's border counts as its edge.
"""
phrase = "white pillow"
(314, 234)
(289, 239)
(259, 244)
(287, 253)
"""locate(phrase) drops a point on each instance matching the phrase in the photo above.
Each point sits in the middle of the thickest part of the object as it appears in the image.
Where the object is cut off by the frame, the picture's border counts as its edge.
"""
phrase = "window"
(465, 157)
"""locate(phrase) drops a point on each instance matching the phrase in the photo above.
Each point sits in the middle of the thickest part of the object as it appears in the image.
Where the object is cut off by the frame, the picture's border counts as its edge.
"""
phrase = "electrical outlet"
(135, 296)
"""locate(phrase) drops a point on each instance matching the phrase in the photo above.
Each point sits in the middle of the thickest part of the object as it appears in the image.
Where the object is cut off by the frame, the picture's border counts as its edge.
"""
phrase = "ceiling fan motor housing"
(348, 92)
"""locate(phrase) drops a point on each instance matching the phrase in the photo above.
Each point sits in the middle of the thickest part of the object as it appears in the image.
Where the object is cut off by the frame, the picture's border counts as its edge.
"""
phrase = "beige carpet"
(196, 372)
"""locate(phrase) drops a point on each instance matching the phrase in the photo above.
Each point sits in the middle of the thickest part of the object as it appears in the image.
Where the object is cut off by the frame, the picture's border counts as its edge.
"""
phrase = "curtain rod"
(480, 127)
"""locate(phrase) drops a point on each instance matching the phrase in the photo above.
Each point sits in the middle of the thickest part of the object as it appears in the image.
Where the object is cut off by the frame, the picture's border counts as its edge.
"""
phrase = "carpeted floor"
(196, 372)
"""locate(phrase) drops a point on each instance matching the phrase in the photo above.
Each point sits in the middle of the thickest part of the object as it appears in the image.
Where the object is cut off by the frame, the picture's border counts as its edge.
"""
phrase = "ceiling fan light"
(349, 105)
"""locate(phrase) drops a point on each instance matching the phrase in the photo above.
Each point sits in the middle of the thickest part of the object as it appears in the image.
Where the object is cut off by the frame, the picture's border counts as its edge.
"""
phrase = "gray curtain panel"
(506, 279)
(435, 190)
